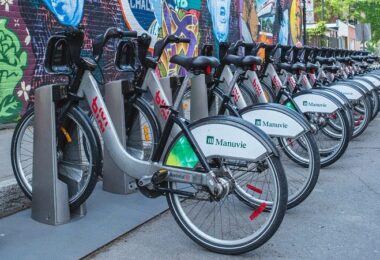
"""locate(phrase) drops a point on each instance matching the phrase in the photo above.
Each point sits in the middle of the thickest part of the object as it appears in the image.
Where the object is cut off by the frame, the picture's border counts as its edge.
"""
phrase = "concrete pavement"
(11, 197)
(340, 219)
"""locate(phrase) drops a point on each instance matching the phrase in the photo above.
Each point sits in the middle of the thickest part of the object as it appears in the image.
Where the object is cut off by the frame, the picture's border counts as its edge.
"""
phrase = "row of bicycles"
(232, 145)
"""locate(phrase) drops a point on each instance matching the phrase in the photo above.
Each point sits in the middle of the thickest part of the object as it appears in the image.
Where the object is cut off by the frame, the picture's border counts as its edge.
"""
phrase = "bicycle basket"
(57, 56)
(125, 58)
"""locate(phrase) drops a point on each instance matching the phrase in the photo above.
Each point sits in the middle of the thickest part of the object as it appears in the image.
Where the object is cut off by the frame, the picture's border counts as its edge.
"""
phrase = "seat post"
(199, 100)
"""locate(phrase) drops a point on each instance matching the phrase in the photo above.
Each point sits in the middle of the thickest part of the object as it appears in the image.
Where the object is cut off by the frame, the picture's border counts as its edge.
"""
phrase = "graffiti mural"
(143, 16)
(271, 21)
(220, 16)
(16, 63)
(185, 24)
(67, 12)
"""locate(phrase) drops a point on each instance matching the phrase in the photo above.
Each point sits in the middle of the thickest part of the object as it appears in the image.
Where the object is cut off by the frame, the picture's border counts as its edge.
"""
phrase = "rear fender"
(276, 120)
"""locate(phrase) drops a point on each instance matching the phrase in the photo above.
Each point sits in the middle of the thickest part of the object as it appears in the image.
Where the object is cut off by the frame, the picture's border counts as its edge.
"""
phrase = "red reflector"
(258, 211)
(253, 67)
(255, 189)
(208, 70)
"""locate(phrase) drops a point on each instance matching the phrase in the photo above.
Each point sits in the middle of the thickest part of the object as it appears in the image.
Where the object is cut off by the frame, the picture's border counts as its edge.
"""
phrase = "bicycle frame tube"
(271, 78)
(253, 80)
(230, 87)
(304, 81)
(134, 167)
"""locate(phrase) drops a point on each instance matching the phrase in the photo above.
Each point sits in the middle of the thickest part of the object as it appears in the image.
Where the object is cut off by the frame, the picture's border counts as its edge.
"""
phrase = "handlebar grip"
(183, 40)
(131, 34)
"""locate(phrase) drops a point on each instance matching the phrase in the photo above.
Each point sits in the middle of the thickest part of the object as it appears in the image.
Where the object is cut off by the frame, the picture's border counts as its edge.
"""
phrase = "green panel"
(290, 105)
(182, 155)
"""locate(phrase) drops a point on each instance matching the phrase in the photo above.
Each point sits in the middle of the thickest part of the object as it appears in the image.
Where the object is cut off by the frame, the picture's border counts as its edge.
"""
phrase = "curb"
(12, 199)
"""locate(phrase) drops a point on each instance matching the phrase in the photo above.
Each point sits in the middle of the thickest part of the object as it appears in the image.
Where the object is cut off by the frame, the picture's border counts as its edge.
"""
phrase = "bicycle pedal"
(159, 176)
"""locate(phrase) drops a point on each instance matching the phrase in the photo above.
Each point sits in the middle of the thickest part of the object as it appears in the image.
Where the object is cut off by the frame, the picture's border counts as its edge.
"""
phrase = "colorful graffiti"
(220, 16)
(67, 12)
(25, 27)
(271, 21)
(13, 61)
(183, 23)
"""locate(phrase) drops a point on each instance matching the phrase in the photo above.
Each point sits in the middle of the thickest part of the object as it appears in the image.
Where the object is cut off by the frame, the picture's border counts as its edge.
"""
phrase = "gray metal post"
(199, 101)
(114, 179)
(50, 195)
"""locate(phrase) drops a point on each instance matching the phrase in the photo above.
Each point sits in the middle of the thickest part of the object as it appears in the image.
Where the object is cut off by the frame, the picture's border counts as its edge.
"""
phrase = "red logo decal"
(99, 115)
(257, 87)
(236, 94)
(312, 78)
(292, 82)
(161, 102)
(276, 81)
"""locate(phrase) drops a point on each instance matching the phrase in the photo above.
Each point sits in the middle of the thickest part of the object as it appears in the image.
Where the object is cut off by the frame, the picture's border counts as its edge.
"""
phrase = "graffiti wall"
(271, 21)
(26, 25)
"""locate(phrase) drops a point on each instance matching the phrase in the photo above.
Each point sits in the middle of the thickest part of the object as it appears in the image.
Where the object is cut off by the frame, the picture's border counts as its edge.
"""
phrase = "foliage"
(12, 63)
(362, 11)
(318, 30)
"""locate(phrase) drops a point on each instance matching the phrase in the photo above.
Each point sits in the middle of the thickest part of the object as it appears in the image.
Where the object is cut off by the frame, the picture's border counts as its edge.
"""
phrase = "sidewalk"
(340, 219)
(11, 197)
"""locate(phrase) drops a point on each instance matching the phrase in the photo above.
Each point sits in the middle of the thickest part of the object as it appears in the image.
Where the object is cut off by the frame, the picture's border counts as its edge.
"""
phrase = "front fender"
(351, 92)
(316, 101)
(276, 120)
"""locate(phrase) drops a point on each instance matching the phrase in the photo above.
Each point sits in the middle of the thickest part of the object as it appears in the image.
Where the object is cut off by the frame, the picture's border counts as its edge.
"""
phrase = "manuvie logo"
(305, 103)
(210, 140)
(258, 122)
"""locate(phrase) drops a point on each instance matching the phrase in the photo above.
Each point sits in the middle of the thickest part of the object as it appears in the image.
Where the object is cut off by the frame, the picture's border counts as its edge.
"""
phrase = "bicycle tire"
(76, 115)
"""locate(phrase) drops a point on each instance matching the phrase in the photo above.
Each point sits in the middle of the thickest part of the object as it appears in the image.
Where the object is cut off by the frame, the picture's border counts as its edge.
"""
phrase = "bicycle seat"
(242, 61)
(200, 62)
(341, 59)
(311, 66)
(298, 66)
(285, 66)
(332, 68)
(324, 60)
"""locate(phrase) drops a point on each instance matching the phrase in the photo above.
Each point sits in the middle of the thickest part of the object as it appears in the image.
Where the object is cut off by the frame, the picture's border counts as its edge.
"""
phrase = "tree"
(362, 11)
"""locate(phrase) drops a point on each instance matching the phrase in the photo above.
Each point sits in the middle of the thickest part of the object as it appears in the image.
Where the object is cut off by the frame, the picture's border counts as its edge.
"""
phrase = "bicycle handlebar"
(161, 44)
(111, 33)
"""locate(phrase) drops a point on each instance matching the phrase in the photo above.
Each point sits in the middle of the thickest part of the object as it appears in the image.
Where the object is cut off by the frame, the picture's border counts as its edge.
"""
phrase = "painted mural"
(271, 21)
(26, 25)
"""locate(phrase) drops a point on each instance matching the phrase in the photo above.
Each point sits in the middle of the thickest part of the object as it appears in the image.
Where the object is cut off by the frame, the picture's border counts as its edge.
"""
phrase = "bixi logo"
(99, 115)
(211, 140)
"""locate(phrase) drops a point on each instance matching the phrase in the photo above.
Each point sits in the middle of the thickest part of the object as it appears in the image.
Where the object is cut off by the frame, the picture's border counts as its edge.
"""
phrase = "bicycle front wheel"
(226, 224)
(77, 153)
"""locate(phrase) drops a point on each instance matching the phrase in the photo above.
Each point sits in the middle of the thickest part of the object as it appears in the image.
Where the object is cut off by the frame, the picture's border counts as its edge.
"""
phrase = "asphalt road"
(339, 220)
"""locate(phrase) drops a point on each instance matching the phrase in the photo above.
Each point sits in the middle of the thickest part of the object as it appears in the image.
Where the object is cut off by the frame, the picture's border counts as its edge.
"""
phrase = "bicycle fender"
(276, 120)
(364, 83)
(349, 91)
(336, 94)
(375, 80)
(316, 101)
(231, 137)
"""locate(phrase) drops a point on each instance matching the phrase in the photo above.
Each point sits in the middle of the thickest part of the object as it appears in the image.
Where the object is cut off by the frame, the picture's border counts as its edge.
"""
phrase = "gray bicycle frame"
(230, 86)
(136, 168)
